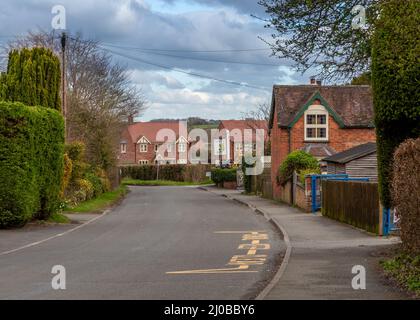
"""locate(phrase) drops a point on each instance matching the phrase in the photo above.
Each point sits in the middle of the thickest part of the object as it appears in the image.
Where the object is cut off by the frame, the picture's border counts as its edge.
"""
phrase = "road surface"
(160, 243)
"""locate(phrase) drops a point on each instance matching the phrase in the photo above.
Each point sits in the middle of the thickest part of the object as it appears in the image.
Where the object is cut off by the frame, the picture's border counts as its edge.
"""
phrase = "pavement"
(320, 254)
(159, 243)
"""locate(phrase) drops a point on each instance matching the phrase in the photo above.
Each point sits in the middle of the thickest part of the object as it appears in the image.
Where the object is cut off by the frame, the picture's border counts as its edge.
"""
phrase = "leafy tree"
(395, 78)
(319, 34)
(33, 77)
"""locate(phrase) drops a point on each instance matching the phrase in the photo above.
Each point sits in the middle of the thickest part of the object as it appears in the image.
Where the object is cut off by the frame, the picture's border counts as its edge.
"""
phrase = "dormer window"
(182, 147)
(123, 147)
(316, 123)
(143, 147)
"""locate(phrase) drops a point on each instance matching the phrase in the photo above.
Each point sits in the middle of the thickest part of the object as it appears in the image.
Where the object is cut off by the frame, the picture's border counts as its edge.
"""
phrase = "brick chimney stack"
(130, 119)
(314, 82)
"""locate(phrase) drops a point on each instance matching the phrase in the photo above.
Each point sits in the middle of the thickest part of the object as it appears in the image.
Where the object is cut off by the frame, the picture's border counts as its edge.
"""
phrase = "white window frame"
(143, 147)
(316, 110)
(123, 147)
(143, 162)
(182, 147)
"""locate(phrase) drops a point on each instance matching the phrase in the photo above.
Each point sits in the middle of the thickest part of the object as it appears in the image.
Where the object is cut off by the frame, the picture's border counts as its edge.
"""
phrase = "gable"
(324, 103)
(143, 140)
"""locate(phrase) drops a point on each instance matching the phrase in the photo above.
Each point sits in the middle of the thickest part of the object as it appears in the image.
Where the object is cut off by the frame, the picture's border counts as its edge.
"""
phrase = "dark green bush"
(395, 81)
(219, 175)
(33, 77)
(296, 161)
(31, 162)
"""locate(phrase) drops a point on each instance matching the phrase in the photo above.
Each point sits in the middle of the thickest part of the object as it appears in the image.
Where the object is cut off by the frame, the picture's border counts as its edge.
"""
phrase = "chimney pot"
(312, 81)
(319, 82)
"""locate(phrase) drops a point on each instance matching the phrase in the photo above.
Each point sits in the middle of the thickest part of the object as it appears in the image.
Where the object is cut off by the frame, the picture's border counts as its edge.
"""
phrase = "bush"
(395, 70)
(296, 161)
(223, 175)
(31, 162)
(305, 172)
(247, 178)
(405, 193)
(33, 77)
(76, 151)
(68, 168)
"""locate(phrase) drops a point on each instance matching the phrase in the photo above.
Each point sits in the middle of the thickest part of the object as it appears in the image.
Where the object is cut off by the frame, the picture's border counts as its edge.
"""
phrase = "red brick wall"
(340, 139)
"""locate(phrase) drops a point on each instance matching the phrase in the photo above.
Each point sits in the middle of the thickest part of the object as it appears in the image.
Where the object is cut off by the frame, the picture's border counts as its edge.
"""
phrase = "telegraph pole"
(63, 82)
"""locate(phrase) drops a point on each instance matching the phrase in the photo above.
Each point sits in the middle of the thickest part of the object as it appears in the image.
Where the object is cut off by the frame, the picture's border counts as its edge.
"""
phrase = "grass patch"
(405, 269)
(58, 218)
(103, 201)
(132, 182)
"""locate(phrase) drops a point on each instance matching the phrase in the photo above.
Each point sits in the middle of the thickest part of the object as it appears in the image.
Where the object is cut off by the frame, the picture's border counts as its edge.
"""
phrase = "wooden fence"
(355, 203)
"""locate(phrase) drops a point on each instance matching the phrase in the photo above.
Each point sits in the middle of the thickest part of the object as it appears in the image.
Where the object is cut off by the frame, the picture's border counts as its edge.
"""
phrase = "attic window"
(316, 123)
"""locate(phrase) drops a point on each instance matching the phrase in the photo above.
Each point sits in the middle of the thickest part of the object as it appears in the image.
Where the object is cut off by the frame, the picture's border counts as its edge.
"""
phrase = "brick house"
(140, 144)
(321, 120)
(233, 136)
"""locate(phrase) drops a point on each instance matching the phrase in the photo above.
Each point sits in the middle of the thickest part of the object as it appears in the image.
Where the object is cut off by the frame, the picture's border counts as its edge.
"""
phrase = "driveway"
(160, 243)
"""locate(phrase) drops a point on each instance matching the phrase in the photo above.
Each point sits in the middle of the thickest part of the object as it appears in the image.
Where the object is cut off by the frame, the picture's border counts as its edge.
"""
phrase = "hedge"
(405, 193)
(219, 175)
(172, 172)
(395, 72)
(31, 162)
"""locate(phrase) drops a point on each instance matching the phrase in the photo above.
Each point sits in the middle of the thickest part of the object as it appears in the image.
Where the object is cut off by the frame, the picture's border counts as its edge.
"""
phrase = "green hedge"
(223, 175)
(31, 162)
(395, 74)
(296, 161)
(171, 172)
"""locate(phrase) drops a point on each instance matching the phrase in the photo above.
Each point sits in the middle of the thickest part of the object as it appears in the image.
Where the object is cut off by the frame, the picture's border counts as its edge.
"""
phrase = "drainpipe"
(135, 153)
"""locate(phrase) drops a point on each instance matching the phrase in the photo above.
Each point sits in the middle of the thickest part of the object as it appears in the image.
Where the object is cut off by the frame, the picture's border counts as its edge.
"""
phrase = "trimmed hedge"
(31, 162)
(219, 175)
(171, 172)
(395, 72)
(405, 193)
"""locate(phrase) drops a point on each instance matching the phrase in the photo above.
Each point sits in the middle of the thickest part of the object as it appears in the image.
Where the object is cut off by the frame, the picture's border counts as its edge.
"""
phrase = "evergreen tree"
(395, 80)
(33, 77)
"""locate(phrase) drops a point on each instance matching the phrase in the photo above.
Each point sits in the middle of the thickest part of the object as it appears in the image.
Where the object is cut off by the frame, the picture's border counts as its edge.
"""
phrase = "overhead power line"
(183, 71)
(201, 59)
(110, 44)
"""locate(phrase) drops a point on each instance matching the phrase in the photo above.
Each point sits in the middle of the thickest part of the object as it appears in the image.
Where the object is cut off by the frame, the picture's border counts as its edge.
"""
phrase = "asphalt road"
(128, 253)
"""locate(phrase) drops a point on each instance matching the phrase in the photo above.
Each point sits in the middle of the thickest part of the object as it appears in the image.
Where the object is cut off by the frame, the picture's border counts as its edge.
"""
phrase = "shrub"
(405, 192)
(68, 168)
(395, 70)
(76, 150)
(219, 175)
(247, 178)
(296, 161)
(33, 77)
(31, 162)
(305, 172)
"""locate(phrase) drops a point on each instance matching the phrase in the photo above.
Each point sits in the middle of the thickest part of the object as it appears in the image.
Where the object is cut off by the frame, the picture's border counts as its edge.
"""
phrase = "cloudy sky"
(163, 42)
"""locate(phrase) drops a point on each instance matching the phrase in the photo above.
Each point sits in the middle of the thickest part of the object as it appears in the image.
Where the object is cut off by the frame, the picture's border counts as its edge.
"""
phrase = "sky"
(164, 42)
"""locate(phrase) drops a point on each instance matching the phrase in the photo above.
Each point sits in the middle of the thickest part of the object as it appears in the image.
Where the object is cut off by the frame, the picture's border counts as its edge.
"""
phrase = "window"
(143, 147)
(182, 147)
(238, 146)
(123, 147)
(156, 147)
(316, 123)
(169, 147)
(143, 162)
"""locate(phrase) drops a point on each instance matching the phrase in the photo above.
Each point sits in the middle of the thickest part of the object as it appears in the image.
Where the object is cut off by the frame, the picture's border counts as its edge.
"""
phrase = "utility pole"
(63, 83)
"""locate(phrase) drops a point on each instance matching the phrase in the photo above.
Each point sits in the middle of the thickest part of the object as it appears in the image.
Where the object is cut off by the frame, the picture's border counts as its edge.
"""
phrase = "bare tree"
(100, 95)
(254, 118)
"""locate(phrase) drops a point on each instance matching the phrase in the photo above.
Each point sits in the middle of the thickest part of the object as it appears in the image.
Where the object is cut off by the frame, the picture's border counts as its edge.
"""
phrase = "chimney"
(319, 82)
(312, 81)
(130, 119)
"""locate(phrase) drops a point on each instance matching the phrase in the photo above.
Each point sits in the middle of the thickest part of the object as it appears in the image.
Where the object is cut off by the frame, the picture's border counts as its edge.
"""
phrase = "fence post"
(313, 187)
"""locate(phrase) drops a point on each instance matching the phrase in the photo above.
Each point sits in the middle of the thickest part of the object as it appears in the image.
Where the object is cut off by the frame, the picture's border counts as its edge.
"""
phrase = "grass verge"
(405, 270)
(133, 182)
(105, 200)
(58, 218)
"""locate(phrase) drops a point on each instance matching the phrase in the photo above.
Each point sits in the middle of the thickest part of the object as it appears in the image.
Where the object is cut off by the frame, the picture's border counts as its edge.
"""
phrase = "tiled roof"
(353, 153)
(244, 124)
(150, 129)
(318, 150)
(352, 104)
